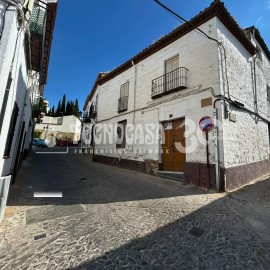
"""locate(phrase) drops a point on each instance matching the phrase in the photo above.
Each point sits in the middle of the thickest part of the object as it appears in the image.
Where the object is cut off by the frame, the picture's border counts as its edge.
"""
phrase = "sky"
(93, 36)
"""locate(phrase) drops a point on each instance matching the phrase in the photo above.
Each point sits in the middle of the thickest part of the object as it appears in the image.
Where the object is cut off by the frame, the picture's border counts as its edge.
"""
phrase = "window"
(172, 76)
(123, 100)
(121, 134)
(171, 64)
(4, 105)
(268, 92)
(11, 130)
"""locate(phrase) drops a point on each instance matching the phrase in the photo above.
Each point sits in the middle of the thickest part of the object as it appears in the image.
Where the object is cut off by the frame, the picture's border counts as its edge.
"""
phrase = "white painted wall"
(244, 141)
(196, 53)
(18, 91)
(67, 124)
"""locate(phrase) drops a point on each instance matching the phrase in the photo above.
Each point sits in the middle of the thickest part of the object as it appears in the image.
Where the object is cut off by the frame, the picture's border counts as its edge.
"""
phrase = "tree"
(72, 107)
(63, 105)
(76, 108)
(53, 112)
(68, 108)
(43, 106)
(58, 110)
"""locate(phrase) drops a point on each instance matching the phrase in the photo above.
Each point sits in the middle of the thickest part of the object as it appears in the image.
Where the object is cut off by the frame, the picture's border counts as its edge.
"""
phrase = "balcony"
(170, 82)
(122, 104)
(91, 115)
(41, 25)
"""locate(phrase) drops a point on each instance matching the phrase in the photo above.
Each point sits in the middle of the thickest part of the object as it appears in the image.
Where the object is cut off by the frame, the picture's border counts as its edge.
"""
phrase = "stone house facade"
(220, 71)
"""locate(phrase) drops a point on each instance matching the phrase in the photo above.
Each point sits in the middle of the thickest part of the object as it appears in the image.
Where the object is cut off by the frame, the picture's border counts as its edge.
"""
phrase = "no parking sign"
(206, 123)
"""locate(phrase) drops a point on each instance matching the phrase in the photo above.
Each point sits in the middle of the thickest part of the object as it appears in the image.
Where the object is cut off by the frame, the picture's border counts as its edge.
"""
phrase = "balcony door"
(171, 79)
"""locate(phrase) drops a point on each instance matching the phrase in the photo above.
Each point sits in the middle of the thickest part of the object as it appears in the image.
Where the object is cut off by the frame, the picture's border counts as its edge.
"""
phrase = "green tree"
(43, 106)
(68, 108)
(53, 111)
(63, 105)
(76, 108)
(72, 107)
(58, 110)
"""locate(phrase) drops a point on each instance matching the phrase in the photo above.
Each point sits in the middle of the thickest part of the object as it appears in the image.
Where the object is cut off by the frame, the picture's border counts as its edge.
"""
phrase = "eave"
(216, 9)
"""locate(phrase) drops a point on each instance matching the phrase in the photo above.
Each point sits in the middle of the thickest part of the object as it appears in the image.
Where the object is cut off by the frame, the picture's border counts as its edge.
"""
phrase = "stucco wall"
(196, 53)
(70, 125)
(199, 55)
(18, 90)
(245, 141)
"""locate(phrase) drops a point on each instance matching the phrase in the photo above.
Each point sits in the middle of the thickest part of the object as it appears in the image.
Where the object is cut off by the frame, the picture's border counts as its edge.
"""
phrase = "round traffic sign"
(206, 123)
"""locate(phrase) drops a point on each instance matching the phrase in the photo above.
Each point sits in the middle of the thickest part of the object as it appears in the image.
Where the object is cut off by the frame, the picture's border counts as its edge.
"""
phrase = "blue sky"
(99, 35)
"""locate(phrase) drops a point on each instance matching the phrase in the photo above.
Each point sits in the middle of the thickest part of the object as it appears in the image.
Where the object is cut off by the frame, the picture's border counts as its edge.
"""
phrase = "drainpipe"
(217, 154)
(255, 89)
(135, 88)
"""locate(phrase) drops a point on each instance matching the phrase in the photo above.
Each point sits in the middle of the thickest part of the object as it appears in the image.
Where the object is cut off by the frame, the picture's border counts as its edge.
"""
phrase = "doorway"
(174, 134)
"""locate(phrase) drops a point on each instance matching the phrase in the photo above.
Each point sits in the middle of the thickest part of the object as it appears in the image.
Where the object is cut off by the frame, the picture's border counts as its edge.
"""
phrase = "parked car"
(39, 143)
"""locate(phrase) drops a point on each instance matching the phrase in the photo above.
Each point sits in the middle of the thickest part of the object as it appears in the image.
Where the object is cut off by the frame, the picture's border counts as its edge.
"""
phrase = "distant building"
(62, 128)
(222, 72)
(26, 31)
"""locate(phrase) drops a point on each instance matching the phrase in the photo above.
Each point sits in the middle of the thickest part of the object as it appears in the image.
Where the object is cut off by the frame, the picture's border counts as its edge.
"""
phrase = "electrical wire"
(184, 20)
(219, 97)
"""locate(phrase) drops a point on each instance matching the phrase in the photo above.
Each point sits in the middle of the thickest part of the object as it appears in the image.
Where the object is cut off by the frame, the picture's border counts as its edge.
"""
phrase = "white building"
(63, 128)
(222, 72)
(26, 29)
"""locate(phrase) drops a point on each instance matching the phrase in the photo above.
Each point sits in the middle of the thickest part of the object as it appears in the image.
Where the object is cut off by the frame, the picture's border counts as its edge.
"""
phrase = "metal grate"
(176, 79)
(38, 21)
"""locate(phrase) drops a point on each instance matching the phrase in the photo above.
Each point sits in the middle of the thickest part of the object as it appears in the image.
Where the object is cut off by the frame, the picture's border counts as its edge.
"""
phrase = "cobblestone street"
(110, 218)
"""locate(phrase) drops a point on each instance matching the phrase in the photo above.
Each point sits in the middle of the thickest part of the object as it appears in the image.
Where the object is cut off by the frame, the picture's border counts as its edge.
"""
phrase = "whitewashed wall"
(244, 141)
(200, 56)
(67, 124)
(18, 90)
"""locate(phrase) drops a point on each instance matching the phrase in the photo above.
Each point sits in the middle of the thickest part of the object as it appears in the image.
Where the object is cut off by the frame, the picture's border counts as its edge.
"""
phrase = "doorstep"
(177, 176)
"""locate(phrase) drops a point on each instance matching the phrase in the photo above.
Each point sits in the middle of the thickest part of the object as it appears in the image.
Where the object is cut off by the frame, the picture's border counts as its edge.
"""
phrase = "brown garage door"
(172, 158)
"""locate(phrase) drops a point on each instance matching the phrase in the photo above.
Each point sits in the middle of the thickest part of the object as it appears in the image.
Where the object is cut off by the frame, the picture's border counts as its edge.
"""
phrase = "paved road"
(111, 218)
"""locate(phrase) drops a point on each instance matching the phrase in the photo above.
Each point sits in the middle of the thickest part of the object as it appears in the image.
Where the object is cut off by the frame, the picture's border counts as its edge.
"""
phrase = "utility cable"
(219, 97)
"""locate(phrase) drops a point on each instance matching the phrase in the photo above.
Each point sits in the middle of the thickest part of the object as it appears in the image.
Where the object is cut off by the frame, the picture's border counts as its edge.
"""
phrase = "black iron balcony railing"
(122, 104)
(170, 82)
(91, 115)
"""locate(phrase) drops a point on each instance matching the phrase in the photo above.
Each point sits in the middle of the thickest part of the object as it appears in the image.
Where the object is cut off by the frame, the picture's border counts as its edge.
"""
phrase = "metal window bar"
(170, 81)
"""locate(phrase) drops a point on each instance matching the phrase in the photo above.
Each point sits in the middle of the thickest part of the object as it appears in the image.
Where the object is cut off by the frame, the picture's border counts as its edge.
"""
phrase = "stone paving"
(110, 218)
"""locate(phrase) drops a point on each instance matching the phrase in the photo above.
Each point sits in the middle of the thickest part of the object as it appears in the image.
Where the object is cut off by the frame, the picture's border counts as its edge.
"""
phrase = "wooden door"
(173, 157)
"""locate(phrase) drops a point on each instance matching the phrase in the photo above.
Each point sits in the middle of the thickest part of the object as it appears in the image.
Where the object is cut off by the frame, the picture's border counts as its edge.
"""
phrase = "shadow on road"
(84, 182)
(136, 221)
(229, 233)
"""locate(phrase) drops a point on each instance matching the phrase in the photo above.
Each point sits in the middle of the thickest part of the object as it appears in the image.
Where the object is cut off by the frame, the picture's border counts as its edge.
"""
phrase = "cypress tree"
(68, 108)
(77, 109)
(58, 110)
(63, 105)
(53, 112)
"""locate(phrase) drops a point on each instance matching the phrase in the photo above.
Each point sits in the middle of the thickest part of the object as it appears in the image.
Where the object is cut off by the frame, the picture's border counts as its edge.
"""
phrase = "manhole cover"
(37, 237)
(196, 232)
